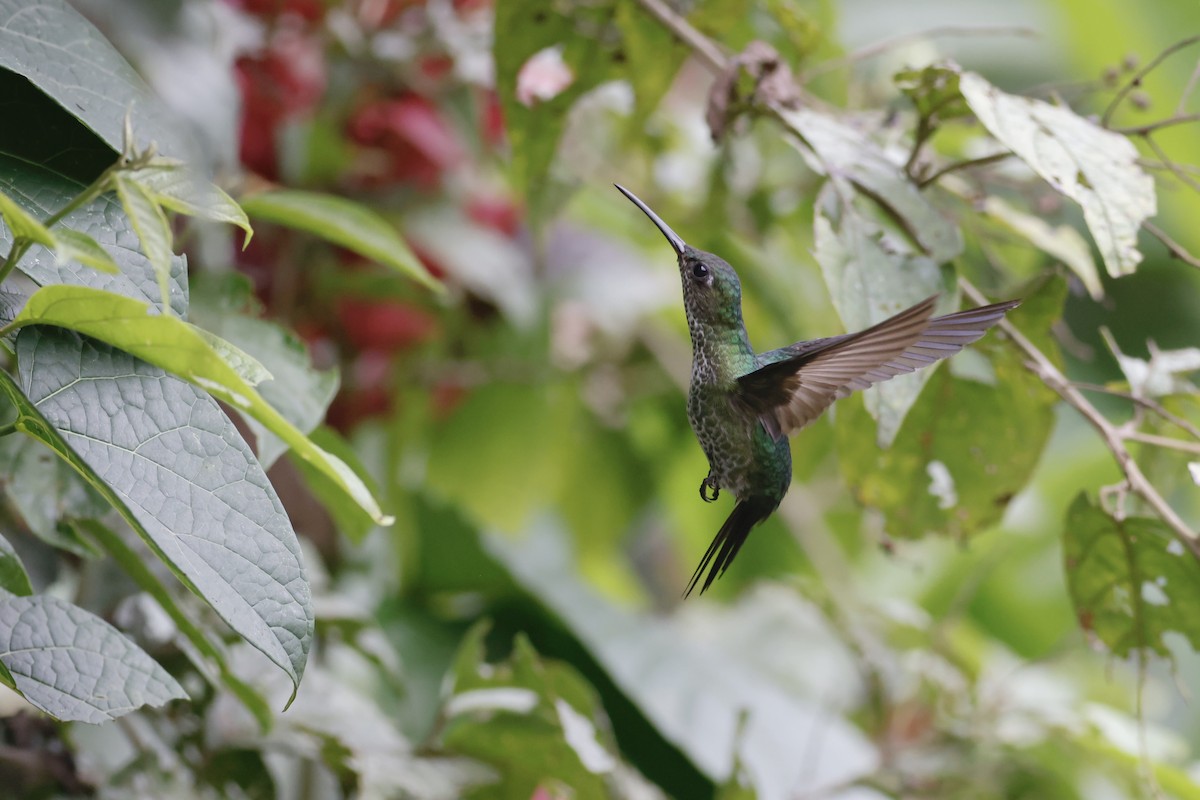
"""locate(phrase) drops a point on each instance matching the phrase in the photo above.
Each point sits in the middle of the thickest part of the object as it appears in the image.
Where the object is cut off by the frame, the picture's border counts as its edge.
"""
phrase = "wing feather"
(797, 383)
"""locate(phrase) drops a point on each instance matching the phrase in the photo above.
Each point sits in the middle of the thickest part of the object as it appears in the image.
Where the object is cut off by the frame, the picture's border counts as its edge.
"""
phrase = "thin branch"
(1161, 166)
(1162, 441)
(1181, 107)
(1180, 174)
(1111, 434)
(878, 48)
(1177, 250)
(957, 165)
(1144, 402)
(1136, 80)
(1150, 127)
(701, 45)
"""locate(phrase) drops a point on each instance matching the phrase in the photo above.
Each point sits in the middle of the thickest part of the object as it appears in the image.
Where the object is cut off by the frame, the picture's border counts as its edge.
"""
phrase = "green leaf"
(296, 389)
(165, 456)
(871, 276)
(179, 189)
(72, 245)
(649, 58)
(934, 91)
(174, 345)
(1131, 582)
(74, 665)
(22, 225)
(348, 516)
(43, 192)
(842, 151)
(968, 444)
(88, 78)
(209, 651)
(13, 578)
(536, 721)
(152, 228)
(342, 222)
(47, 494)
(1096, 168)
(1061, 241)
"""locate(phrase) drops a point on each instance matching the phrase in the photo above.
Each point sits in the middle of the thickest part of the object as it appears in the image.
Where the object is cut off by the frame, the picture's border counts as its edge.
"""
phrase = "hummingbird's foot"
(705, 485)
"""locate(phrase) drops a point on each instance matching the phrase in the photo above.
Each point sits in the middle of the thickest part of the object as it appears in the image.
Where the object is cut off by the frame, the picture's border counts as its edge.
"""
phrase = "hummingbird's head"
(712, 292)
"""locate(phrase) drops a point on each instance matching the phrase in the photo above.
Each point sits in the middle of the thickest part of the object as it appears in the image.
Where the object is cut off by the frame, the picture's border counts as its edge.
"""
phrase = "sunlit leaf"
(342, 222)
(1131, 581)
(1163, 374)
(74, 665)
(73, 245)
(174, 345)
(179, 189)
(22, 224)
(1096, 168)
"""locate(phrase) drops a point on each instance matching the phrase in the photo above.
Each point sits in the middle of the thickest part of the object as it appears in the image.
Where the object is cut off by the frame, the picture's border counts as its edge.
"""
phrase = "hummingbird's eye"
(699, 270)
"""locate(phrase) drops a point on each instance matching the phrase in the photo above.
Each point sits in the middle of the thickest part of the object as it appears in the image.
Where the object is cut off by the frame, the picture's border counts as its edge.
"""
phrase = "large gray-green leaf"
(64, 55)
(74, 665)
(42, 192)
(693, 692)
(968, 444)
(1096, 168)
(844, 152)
(871, 276)
(163, 453)
(1061, 241)
(13, 578)
(1131, 582)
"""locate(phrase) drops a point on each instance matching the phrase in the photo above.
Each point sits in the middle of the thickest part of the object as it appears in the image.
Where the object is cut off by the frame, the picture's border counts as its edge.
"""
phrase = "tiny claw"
(709, 483)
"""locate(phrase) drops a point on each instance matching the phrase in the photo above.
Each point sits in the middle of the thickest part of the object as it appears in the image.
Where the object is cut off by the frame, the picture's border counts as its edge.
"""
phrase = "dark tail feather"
(724, 548)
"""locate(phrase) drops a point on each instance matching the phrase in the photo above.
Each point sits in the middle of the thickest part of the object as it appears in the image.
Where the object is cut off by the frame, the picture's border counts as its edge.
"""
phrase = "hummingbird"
(742, 405)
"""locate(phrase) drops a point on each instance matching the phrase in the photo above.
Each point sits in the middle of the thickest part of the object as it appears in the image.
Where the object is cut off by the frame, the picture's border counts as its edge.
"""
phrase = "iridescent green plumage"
(742, 404)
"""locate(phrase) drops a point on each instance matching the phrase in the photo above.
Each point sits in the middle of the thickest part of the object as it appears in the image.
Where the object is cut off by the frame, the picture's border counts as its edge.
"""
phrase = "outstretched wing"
(802, 380)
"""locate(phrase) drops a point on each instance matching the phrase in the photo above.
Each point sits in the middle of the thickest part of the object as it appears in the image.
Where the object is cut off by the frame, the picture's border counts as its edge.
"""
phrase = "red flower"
(416, 142)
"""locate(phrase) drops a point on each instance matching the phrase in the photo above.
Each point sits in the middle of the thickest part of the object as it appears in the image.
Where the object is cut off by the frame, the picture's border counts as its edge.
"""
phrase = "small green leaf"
(175, 187)
(73, 245)
(152, 228)
(23, 225)
(42, 192)
(74, 665)
(934, 91)
(249, 368)
(174, 345)
(1096, 168)
(342, 222)
(1131, 582)
(13, 577)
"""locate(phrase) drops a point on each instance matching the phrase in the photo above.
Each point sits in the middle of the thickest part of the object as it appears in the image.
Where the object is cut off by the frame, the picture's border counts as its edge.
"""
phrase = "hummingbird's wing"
(800, 381)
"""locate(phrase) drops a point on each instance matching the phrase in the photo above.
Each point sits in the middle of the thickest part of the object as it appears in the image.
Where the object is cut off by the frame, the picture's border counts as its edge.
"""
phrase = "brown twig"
(1150, 127)
(1113, 436)
(1177, 250)
(1136, 80)
(1143, 402)
(957, 165)
(1181, 106)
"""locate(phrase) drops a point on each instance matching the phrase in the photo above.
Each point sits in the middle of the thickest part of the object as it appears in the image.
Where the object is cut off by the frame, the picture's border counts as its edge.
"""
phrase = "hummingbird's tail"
(724, 548)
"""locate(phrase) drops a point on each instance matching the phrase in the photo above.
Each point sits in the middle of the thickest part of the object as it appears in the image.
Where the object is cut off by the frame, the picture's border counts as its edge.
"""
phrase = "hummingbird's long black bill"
(672, 237)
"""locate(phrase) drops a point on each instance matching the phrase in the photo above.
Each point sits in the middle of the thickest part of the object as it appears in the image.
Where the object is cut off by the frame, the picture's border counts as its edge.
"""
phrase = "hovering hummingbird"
(743, 405)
